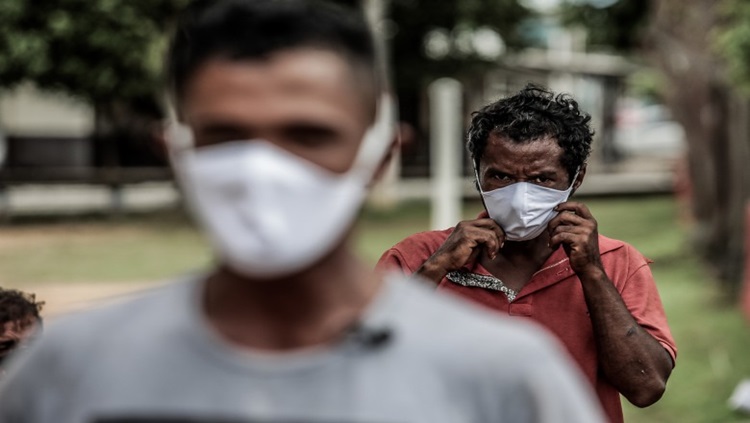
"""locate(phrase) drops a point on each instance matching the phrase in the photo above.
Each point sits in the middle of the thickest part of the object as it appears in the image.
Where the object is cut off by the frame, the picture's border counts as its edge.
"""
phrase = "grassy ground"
(99, 250)
(713, 340)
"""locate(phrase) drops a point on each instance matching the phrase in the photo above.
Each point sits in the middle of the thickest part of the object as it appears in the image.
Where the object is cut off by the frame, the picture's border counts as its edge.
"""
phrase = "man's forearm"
(631, 359)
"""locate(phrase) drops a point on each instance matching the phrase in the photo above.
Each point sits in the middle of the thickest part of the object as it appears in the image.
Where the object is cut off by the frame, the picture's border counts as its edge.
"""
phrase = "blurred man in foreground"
(534, 253)
(19, 319)
(283, 129)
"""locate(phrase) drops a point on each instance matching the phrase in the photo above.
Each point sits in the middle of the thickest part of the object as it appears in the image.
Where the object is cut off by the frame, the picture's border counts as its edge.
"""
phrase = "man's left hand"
(576, 230)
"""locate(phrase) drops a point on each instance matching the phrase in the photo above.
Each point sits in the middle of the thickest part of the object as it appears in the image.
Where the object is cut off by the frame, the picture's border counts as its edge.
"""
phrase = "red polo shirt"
(554, 298)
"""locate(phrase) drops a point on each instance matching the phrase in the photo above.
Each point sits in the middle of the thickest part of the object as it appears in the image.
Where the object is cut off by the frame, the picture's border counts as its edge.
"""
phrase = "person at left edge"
(20, 321)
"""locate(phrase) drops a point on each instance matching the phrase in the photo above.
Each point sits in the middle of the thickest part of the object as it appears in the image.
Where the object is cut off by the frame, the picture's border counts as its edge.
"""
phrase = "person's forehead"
(501, 148)
(314, 81)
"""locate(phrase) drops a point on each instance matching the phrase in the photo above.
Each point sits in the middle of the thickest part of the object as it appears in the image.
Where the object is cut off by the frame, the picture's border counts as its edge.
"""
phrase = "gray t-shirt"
(417, 356)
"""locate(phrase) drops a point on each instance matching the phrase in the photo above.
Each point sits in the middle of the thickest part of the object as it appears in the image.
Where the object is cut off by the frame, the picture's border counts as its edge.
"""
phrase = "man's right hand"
(463, 246)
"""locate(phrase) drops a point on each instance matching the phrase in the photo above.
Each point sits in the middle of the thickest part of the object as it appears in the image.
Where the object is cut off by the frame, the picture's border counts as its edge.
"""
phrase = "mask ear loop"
(575, 177)
(476, 176)
(374, 146)
(377, 139)
(479, 186)
(179, 137)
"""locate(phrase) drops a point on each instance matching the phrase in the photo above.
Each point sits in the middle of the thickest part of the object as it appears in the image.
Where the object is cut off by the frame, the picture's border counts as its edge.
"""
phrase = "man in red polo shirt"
(533, 253)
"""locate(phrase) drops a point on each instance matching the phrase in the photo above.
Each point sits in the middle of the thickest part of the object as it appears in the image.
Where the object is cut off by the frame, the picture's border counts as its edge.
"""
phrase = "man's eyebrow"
(313, 127)
(492, 169)
(545, 173)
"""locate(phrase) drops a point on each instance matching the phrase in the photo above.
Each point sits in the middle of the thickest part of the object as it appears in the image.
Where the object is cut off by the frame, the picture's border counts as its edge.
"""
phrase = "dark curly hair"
(534, 113)
(16, 305)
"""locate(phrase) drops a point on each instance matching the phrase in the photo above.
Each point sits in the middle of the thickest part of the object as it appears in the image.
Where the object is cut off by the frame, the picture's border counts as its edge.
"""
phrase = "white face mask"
(524, 209)
(270, 213)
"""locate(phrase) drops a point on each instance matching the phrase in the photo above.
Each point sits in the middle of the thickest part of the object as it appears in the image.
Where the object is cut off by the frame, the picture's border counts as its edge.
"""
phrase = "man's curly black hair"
(532, 114)
(18, 306)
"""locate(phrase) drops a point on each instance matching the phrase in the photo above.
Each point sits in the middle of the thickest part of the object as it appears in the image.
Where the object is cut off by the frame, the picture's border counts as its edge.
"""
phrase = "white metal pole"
(445, 151)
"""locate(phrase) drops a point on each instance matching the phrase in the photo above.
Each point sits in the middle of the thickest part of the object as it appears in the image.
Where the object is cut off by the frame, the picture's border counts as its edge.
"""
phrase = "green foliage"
(646, 83)
(93, 49)
(414, 19)
(621, 26)
(100, 49)
(96, 249)
(617, 27)
(733, 41)
(410, 22)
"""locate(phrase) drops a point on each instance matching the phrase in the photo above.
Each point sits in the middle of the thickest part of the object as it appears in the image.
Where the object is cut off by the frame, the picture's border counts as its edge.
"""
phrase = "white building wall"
(27, 111)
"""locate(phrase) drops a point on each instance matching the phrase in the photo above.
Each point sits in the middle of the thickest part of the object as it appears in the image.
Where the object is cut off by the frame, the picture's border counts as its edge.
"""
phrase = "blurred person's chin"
(235, 272)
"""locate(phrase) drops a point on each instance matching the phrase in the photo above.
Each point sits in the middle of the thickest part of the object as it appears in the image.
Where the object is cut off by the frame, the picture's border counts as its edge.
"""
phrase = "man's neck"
(534, 250)
(519, 260)
(313, 307)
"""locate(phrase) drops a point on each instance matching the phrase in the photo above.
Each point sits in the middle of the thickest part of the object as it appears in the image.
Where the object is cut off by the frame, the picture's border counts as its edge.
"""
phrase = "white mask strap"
(375, 144)
(578, 170)
(377, 140)
(179, 136)
(476, 175)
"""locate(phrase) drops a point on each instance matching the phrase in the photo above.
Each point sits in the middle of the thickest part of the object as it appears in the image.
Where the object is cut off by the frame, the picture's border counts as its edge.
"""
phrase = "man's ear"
(579, 179)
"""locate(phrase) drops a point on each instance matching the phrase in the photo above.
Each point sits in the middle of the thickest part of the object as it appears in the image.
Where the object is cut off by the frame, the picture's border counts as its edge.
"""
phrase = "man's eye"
(541, 180)
(311, 140)
(311, 136)
(218, 134)
(502, 177)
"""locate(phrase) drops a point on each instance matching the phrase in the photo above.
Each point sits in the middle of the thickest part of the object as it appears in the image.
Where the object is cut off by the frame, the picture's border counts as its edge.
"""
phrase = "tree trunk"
(715, 128)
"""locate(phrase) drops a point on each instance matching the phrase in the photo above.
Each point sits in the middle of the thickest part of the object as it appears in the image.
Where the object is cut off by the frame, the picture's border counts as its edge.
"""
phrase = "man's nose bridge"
(520, 197)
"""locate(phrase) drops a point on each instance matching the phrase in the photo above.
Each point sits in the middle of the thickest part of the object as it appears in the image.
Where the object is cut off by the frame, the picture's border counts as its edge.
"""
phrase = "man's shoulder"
(611, 245)
(412, 251)
(71, 343)
(425, 239)
(482, 352)
(620, 251)
(421, 243)
(134, 316)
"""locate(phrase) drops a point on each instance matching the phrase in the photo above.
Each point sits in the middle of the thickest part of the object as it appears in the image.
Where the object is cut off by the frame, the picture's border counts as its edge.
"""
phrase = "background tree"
(618, 27)
(108, 53)
(697, 46)
(733, 41)
(455, 28)
(105, 52)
